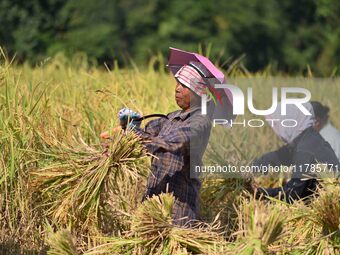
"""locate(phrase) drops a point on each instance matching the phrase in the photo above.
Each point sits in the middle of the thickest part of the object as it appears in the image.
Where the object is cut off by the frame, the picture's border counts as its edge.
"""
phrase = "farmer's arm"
(282, 156)
(153, 127)
(178, 139)
(299, 186)
(293, 190)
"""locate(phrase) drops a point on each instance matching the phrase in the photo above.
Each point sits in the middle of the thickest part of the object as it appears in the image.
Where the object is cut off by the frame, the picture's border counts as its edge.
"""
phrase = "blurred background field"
(287, 36)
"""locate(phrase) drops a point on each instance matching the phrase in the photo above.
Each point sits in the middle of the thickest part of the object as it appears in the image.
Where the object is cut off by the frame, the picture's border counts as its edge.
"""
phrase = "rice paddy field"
(63, 190)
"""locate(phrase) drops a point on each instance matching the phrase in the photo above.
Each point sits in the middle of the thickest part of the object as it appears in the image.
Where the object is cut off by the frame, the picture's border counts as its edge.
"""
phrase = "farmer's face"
(184, 97)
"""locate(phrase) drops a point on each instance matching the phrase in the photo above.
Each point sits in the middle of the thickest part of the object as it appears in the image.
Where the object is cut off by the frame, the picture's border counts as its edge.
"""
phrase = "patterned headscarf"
(191, 78)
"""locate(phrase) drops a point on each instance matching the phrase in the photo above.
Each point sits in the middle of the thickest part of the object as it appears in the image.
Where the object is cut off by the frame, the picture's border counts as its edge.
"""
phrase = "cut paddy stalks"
(318, 231)
(78, 182)
(259, 226)
(152, 232)
(152, 222)
(61, 243)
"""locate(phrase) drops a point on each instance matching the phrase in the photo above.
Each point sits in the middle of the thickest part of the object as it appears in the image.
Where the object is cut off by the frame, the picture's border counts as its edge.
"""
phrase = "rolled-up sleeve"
(275, 158)
(301, 184)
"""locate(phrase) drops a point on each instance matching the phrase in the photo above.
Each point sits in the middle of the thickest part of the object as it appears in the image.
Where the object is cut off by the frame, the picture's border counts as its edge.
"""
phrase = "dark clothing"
(176, 143)
(308, 149)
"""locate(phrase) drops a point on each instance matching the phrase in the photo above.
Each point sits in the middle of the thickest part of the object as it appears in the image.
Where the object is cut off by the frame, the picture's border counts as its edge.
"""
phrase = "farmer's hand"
(105, 135)
(127, 118)
(251, 186)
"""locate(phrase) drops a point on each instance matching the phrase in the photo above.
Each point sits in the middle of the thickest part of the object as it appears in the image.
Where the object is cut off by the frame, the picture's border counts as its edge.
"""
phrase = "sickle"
(151, 116)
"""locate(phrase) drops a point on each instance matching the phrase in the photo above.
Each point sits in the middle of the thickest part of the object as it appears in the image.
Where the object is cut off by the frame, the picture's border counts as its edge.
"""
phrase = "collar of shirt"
(299, 137)
(185, 114)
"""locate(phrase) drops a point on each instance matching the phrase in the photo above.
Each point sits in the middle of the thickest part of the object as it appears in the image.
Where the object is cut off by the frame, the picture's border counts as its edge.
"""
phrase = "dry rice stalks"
(78, 182)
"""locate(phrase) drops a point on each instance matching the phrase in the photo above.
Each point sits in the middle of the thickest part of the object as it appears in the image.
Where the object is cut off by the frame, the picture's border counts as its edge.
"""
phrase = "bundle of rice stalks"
(152, 232)
(61, 243)
(321, 222)
(152, 222)
(326, 207)
(259, 226)
(114, 246)
(218, 197)
(79, 182)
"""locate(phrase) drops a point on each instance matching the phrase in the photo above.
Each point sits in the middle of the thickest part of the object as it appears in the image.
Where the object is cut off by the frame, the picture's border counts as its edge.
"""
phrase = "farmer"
(177, 142)
(326, 129)
(305, 148)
